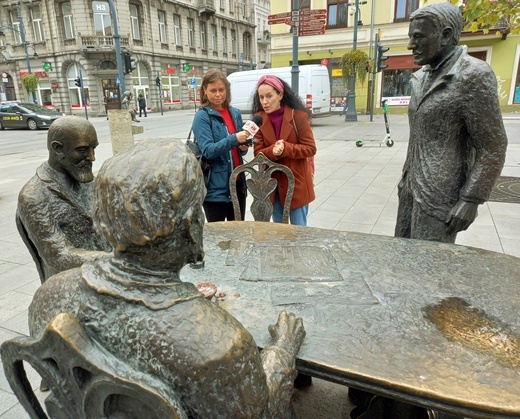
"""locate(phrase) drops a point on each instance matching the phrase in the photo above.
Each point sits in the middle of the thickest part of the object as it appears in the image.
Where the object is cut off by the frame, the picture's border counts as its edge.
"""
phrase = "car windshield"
(37, 109)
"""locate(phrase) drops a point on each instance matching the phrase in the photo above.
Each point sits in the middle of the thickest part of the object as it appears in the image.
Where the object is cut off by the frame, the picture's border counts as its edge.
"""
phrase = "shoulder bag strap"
(210, 125)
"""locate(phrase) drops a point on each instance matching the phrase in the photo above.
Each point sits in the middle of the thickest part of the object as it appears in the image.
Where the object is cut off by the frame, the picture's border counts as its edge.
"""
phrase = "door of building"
(112, 99)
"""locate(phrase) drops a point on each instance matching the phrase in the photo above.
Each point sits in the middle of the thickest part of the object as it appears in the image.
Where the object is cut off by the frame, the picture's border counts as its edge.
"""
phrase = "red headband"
(271, 81)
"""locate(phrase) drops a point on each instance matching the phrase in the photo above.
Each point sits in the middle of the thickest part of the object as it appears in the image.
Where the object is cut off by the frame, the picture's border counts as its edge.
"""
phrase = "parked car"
(26, 115)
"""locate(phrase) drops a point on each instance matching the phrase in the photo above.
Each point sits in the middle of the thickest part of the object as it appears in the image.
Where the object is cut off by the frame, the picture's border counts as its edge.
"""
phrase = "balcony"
(263, 38)
(206, 7)
(101, 43)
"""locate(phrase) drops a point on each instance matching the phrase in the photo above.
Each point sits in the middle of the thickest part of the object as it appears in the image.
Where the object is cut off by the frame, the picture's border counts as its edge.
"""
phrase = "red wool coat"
(299, 146)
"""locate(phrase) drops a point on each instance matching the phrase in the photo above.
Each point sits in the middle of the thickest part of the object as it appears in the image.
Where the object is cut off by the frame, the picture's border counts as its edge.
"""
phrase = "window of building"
(162, 26)
(68, 22)
(337, 13)
(170, 85)
(247, 45)
(140, 81)
(214, 38)
(233, 41)
(102, 22)
(203, 36)
(403, 9)
(224, 39)
(177, 30)
(396, 87)
(16, 25)
(516, 96)
(75, 96)
(231, 6)
(37, 24)
(134, 21)
(191, 34)
(304, 4)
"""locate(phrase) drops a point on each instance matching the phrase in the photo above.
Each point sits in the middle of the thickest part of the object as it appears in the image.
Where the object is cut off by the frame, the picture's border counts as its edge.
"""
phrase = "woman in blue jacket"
(217, 127)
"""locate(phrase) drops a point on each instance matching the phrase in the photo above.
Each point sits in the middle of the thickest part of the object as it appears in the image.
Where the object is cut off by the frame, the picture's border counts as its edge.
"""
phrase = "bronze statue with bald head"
(148, 205)
(54, 213)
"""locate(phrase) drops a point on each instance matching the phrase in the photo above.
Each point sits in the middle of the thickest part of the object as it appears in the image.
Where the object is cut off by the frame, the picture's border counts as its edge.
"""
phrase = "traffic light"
(77, 81)
(130, 63)
(380, 57)
(158, 81)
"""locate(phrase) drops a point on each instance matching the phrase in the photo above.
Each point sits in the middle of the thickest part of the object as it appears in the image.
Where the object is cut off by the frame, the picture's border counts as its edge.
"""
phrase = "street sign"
(187, 67)
(318, 31)
(47, 66)
(312, 24)
(118, 81)
(278, 18)
(193, 81)
(313, 13)
(100, 7)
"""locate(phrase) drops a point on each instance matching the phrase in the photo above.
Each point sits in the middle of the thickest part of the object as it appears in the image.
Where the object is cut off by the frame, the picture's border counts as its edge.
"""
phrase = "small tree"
(499, 16)
(30, 82)
(355, 61)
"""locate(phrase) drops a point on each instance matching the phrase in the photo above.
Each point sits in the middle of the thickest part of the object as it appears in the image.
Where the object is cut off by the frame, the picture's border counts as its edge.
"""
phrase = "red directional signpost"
(312, 22)
(279, 18)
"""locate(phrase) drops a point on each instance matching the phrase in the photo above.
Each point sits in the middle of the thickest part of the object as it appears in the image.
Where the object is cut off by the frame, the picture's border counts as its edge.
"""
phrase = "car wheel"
(31, 124)
(1, 126)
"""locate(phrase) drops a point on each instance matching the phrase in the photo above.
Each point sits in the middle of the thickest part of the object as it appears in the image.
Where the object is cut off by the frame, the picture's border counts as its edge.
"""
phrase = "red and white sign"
(279, 18)
(313, 13)
(170, 70)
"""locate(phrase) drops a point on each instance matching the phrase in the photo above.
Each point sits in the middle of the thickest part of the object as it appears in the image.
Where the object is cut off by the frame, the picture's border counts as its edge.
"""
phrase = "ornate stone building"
(175, 41)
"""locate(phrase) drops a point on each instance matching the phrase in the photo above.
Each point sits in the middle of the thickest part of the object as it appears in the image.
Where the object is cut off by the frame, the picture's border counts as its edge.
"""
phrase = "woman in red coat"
(286, 137)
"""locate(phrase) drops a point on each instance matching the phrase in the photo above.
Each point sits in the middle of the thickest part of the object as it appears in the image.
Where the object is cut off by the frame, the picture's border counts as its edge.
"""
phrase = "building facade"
(389, 21)
(173, 41)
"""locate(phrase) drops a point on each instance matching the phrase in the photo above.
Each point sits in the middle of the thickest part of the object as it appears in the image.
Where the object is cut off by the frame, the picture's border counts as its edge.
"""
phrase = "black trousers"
(222, 211)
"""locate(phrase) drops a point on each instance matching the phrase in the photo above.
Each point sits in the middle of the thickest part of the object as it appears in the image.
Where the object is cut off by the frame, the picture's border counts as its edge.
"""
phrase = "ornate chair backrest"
(86, 381)
(31, 247)
(261, 185)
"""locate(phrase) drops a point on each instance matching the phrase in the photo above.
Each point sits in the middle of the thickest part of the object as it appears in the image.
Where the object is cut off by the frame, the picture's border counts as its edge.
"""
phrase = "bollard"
(121, 130)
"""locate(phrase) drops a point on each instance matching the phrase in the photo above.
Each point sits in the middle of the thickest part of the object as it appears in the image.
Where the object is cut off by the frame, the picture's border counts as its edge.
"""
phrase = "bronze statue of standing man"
(457, 140)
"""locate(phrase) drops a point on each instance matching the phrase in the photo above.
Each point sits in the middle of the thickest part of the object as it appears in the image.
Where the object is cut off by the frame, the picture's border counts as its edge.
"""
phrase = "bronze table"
(433, 324)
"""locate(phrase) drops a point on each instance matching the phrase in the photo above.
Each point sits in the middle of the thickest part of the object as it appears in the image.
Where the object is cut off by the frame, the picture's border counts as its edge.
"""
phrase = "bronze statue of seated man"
(148, 205)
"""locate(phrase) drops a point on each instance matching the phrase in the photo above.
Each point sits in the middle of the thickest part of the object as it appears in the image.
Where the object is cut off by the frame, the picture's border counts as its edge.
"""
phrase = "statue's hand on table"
(288, 332)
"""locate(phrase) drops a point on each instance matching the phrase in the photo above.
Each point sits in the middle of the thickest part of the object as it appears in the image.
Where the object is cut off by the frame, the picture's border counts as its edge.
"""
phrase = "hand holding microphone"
(252, 128)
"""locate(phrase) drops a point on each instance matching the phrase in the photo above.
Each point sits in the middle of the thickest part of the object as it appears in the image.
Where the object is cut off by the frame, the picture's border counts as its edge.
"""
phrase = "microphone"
(252, 127)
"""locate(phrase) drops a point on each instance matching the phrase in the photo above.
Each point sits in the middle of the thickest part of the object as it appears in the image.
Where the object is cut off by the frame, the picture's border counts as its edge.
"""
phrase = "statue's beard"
(83, 172)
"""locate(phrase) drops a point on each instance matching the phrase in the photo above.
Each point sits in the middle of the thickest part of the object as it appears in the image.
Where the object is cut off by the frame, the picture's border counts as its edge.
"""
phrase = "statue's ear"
(447, 35)
(57, 148)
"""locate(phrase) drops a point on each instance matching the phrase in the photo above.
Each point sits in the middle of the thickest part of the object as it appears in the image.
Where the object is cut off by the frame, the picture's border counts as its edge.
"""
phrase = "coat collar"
(445, 72)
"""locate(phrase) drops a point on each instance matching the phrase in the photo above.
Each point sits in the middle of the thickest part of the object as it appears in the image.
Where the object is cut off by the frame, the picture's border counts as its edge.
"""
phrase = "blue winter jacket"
(216, 144)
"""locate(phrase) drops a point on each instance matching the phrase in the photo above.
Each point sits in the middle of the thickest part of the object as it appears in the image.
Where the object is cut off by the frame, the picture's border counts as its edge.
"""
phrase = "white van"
(314, 87)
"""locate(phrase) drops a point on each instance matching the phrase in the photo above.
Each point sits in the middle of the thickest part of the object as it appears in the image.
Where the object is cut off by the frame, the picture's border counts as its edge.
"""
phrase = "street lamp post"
(351, 114)
(21, 32)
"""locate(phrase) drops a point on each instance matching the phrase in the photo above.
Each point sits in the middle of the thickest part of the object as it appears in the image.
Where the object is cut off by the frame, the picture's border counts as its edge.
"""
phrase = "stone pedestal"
(121, 129)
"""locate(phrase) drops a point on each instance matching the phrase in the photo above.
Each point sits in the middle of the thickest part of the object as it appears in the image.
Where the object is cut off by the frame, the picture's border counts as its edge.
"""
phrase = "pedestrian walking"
(142, 105)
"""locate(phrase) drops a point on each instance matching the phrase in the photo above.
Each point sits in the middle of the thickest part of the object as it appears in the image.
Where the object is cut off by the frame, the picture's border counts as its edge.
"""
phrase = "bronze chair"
(261, 185)
(86, 381)
(31, 247)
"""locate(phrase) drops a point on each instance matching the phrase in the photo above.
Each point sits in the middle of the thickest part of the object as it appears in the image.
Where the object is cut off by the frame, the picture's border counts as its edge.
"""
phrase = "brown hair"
(213, 75)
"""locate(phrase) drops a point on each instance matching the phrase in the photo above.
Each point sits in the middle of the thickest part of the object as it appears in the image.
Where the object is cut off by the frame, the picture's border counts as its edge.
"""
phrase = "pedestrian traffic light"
(158, 81)
(77, 81)
(130, 63)
(380, 57)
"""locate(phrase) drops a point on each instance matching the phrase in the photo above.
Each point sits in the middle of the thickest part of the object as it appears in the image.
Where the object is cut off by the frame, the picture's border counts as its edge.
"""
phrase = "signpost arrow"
(316, 12)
